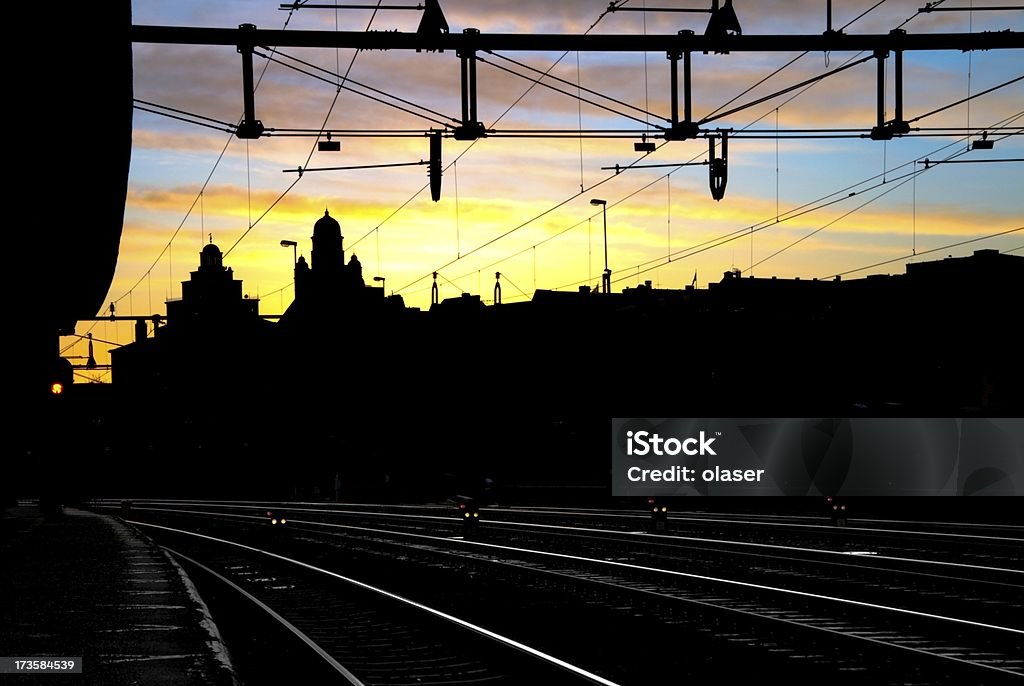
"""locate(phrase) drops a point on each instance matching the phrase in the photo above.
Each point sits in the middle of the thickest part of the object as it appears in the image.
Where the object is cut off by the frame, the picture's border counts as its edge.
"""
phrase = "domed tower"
(211, 259)
(212, 294)
(328, 248)
(301, 278)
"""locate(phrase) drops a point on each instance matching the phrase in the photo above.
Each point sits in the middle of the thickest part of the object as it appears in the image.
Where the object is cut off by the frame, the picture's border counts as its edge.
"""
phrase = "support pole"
(472, 88)
(881, 56)
(681, 130)
(470, 128)
(898, 86)
(687, 87)
(673, 58)
(465, 88)
(899, 125)
(251, 127)
(881, 132)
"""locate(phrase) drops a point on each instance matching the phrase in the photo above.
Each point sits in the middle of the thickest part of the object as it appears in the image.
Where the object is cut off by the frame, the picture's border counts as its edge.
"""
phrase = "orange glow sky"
(503, 183)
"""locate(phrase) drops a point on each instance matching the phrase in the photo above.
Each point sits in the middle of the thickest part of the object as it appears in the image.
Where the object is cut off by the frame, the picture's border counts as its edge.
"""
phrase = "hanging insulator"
(433, 291)
(718, 168)
(435, 165)
(497, 288)
(91, 361)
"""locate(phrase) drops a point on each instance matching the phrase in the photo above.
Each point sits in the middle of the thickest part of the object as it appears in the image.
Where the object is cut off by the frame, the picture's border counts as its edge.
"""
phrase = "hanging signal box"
(646, 146)
(982, 145)
(329, 146)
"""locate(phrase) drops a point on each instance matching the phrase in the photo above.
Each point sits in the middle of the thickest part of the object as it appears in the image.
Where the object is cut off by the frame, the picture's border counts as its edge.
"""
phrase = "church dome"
(211, 256)
(326, 226)
(328, 246)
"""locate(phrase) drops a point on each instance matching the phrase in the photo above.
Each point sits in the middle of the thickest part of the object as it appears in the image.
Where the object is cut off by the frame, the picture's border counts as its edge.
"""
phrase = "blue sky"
(503, 183)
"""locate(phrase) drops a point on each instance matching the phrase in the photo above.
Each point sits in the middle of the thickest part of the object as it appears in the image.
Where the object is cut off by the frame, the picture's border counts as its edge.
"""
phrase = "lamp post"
(295, 250)
(381, 279)
(606, 276)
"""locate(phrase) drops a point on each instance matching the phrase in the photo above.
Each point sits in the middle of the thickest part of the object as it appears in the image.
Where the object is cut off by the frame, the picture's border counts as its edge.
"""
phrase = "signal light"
(273, 521)
(57, 388)
(435, 165)
(659, 517)
(284, 521)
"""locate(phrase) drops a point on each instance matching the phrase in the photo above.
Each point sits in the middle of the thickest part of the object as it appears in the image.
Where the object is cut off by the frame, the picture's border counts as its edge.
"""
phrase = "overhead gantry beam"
(677, 47)
(475, 41)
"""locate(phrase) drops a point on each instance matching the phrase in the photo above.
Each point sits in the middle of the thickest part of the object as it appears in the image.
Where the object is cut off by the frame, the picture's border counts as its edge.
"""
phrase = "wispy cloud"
(503, 182)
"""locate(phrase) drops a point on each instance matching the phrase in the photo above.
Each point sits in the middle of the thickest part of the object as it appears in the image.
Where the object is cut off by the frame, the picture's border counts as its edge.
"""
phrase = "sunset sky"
(505, 182)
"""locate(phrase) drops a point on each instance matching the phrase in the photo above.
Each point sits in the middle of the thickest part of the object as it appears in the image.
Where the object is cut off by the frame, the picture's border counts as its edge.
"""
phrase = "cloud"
(504, 182)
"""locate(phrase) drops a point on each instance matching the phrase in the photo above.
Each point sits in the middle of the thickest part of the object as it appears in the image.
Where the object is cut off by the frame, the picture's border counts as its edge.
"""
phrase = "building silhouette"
(352, 381)
(934, 339)
(214, 337)
(212, 297)
(330, 293)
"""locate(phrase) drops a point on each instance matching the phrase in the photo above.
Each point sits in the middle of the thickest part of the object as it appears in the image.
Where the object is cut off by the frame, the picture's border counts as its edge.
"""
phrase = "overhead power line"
(575, 96)
(339, 86)
(822, 202)
(951, 105)
(349, 79)
(543, 74)
(529, 89)
(199, 195)
(930, 251)
(583, 191)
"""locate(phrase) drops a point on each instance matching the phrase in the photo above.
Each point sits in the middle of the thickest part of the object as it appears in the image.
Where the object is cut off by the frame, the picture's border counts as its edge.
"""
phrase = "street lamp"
(381, 279)
(606, 276)
(295, 250)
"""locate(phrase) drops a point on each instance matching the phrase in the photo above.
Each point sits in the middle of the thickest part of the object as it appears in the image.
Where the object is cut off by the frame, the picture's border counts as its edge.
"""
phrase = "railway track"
(975, 589)
(359, 632)
(778, 627)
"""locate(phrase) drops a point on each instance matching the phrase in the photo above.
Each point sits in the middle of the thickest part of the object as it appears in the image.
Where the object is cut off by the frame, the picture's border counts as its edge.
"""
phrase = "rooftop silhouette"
(932, 339)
